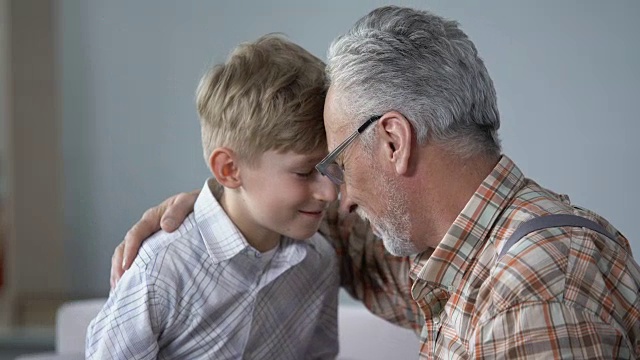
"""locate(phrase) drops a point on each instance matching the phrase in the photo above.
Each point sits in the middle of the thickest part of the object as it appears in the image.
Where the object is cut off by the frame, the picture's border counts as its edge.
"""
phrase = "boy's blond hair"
(268, 95)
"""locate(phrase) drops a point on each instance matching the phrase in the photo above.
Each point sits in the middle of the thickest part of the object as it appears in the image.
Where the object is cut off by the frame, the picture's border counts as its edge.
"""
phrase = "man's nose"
(347, 205)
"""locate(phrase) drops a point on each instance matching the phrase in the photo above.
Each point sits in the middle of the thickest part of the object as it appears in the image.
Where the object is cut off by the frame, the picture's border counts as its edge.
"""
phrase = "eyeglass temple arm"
(366, 124)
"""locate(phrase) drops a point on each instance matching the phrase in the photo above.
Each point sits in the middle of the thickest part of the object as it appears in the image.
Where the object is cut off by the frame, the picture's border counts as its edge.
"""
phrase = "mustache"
(362, 214)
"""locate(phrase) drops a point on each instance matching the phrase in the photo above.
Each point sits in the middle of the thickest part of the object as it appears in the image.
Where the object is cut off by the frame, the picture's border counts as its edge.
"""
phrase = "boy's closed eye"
(304, 174)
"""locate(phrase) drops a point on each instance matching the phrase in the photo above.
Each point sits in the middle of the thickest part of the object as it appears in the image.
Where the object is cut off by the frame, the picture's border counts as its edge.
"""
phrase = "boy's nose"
(326, 190)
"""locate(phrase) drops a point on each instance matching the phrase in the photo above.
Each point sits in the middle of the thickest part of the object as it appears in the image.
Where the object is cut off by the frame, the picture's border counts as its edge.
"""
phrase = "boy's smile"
(281, 194)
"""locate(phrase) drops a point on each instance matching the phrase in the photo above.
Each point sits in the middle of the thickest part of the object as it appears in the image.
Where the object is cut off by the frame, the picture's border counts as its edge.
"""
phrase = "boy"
(236, 281)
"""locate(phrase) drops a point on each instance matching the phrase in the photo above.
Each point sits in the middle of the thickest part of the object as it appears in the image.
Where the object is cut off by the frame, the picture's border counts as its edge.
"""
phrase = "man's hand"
(168, 216)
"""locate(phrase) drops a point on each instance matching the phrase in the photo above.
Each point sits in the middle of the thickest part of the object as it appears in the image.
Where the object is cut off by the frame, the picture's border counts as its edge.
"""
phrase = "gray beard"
(394, 227)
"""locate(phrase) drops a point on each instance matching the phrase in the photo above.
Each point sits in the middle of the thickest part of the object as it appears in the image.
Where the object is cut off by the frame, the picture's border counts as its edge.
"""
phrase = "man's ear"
(395, 136)
(223, 163)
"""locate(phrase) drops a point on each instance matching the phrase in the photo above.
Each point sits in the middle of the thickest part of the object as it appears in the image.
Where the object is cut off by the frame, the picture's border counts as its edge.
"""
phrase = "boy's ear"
(223, 163)
(395, 139)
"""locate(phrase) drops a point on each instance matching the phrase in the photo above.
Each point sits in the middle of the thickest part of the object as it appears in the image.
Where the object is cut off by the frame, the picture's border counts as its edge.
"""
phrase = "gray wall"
(566, 74)
(4, 100)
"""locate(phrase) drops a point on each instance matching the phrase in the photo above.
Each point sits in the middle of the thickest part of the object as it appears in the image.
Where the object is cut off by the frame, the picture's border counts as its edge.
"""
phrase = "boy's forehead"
(311, 157)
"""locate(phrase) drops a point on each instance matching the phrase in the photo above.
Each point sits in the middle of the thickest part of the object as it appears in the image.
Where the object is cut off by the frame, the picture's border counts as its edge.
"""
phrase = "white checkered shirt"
(203, 292)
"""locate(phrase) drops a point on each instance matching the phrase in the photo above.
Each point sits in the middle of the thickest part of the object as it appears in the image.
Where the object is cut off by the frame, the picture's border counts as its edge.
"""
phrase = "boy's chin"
(302, 234)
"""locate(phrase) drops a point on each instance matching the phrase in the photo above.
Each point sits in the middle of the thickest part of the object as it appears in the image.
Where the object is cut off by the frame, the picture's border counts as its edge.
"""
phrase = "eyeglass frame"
(324, 167)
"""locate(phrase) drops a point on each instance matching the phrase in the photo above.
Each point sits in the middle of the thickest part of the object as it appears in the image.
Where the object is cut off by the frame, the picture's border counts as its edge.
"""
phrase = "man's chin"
(394, 245)
(398, 247)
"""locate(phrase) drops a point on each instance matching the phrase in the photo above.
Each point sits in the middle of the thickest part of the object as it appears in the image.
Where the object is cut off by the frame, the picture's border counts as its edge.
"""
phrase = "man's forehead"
(333, 121)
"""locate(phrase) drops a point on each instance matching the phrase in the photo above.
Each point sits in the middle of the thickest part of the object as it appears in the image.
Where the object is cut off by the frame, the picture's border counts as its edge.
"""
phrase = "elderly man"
(479, 260)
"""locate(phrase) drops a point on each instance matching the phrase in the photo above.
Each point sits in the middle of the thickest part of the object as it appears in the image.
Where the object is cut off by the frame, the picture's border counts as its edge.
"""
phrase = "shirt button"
(436, 320)
(257, 254)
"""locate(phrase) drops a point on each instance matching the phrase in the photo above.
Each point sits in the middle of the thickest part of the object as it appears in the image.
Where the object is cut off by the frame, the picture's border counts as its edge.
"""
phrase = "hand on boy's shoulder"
(169, 256)
(167, 215)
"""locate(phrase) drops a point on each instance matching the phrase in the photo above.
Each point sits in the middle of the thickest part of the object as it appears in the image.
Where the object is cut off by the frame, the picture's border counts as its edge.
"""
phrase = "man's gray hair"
(422, 66)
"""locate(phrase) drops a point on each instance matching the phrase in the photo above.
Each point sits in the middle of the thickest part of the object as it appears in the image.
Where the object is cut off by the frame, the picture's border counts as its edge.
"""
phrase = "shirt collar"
(221, 237)
(223, 240)
(444, 266)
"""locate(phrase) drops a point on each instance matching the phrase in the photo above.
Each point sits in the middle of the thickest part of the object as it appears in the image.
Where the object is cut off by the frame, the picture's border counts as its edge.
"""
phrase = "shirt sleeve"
(549, 330)
(129, 324)
(369, 273)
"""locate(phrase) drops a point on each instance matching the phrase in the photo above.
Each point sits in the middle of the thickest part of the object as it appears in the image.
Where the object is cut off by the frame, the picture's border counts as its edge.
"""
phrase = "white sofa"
(362, 335)
(366, 336)
(72, 319)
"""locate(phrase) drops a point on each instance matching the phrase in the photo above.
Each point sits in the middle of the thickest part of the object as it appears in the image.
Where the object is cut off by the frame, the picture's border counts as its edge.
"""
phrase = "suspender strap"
(552, 221)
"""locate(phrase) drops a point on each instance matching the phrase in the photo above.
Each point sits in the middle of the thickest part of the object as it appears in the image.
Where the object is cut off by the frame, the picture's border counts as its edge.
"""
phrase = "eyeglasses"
(329, 167)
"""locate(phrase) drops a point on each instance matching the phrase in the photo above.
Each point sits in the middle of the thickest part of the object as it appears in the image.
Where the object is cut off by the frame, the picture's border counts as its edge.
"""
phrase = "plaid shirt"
(558, 293)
